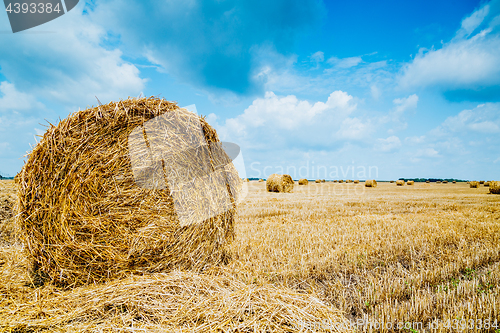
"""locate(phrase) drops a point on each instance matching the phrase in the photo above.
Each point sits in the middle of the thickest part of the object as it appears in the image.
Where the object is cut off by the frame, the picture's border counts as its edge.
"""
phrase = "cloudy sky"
(353, 89)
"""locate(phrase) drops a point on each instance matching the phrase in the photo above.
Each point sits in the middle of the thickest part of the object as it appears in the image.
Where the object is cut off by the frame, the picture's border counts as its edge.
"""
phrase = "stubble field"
(388, 258)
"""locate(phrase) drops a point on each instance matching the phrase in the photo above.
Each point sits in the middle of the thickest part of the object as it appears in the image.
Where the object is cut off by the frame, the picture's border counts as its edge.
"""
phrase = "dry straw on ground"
(174, 302)
(495, 187)
(86, 216)
(303, 181)
(474, 184)
(371, 183)
(247, 180)
(410, 182)
(279, 183)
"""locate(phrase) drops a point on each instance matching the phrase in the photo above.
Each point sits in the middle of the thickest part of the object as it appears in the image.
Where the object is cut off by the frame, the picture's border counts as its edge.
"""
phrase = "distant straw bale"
(392, 181)
(454, 182)
(303, 181)
(438, 182)
(400, 182)
(370, 183)
(130, 187)
(317, 181)
(341, 181)
(445, 182)
(279, 183)
(481, 182)
(410, 182)
(474, 184)
(494, 187)
(261, 180)
(322, 180)
(487, 184)
(427, 181)
(356, 181)
(348, 181)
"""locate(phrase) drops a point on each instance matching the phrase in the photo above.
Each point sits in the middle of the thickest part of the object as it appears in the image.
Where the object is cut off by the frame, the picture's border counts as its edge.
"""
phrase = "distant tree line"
(433, 180)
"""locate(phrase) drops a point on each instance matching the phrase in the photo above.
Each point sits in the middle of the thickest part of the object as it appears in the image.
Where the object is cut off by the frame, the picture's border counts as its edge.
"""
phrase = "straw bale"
(317, 181)
(371, 183)
(303, 181)
(410, 182)
(427, 181)
(341, 181)
(131, 187)
(487, 184)
(454, 182)
(261, 180)
(494, 187)
(400, 182)
(392, 181)
(279, 183)
(445, 182)
(474, 184)
(322, 180)
(481, 182)
(335, 181)
(356, 181)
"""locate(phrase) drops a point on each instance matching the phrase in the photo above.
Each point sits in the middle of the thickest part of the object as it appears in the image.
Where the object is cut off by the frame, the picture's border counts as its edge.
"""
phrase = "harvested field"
(324, 252)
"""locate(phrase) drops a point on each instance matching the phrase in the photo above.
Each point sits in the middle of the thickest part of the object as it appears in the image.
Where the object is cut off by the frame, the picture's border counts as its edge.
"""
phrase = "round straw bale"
(392, 181)
(371, 183)
(335, 181)
(303, 181)
(317, 181)
(356, 181)
(261, 180)
(494, 187)
(438, 182)
(130, 187)
(481, 182)
(400, 182)
(427, 181)
(279, 183)
(322, 180)
(341, 181)
(410, 182)
(454, 182)
(474, 184)
(487, 184)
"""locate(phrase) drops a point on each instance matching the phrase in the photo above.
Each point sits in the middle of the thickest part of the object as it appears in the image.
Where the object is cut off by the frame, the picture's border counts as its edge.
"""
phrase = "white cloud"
(389, 144)
(427, 152)
(13, 100)
(345, 62)
(318, 57)
(484, 119)
(468, 61)
(78, 60)
(403, 104)
(354, 129)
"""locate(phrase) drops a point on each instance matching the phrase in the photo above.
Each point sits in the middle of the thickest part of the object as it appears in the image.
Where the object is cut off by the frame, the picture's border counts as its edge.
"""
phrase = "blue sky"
(359, 89)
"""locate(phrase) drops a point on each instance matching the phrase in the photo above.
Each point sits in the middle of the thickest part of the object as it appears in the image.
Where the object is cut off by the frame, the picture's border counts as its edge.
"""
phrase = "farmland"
(425, 253)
